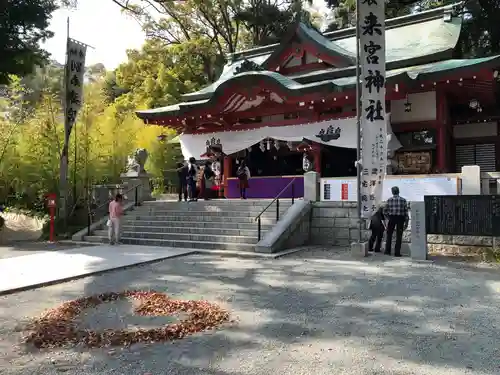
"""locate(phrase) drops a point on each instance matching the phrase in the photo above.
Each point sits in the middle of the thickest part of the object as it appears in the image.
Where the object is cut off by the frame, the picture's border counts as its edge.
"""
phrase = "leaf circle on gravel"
(59, 327)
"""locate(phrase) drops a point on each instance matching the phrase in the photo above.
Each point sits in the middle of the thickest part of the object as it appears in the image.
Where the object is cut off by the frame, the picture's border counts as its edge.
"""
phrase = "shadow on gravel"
(430, 314)
(436, 315)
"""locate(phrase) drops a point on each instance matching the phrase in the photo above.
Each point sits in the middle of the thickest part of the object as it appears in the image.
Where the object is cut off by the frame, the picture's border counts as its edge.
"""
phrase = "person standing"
(243, 174)
(114, 222)
(396, 211)
(191, 179)
(377, 227)
(216, 167)
(208, 180)
(182, 174)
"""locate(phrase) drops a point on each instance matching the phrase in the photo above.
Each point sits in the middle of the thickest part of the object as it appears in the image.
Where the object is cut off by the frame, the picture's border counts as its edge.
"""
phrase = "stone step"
(218, 202)
(183, 244)
(200, 218)
(198, 225)
(191, 229)
(239, 213)
(197, 237)
(216, 209)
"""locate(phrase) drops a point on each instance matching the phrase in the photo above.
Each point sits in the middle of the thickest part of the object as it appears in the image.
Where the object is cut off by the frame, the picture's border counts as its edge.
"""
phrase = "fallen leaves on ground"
(58, 327)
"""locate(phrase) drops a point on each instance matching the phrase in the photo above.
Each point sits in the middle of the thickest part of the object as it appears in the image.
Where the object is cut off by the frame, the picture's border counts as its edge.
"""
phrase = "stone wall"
(300, 234)
(336, 224)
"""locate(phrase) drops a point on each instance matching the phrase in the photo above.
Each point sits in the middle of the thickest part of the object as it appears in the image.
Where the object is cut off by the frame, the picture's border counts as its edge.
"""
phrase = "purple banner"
(268, 187)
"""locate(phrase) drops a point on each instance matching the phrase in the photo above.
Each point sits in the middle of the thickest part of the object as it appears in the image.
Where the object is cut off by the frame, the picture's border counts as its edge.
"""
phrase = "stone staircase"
(210, 225)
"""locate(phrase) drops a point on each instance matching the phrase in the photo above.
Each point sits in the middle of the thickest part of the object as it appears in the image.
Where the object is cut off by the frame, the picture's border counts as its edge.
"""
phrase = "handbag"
(109, 223)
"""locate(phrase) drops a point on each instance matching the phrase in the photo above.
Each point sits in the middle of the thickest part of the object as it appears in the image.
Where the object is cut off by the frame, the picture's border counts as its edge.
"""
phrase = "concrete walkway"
(50, 267)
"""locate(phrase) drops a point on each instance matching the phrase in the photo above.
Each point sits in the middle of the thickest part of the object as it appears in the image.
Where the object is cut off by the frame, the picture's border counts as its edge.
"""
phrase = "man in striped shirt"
(396, 211)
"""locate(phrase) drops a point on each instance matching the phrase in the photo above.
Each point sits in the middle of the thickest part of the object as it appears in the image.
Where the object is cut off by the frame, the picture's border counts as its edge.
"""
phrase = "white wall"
(423, 108)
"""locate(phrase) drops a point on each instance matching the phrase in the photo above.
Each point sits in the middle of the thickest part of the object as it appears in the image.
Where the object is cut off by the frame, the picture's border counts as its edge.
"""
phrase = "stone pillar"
(418, 244)
(311, 186)
(132, 179)
(471, 180)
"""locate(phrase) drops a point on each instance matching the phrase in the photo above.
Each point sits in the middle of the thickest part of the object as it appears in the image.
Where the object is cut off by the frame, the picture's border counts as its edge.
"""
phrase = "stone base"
(359, 249)
(144, 193)
(104, 193)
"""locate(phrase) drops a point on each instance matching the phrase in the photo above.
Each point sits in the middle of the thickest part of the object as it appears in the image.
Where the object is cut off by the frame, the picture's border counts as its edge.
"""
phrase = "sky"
(101, 24)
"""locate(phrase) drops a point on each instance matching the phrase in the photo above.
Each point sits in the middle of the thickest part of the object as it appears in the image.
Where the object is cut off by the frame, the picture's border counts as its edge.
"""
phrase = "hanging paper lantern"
(268, 144)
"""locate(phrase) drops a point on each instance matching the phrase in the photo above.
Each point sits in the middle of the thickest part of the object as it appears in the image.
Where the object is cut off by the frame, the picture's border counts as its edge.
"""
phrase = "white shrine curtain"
(237, 140)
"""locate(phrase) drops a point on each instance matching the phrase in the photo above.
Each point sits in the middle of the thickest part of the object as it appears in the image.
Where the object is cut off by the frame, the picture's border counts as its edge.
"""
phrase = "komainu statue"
(136, 161)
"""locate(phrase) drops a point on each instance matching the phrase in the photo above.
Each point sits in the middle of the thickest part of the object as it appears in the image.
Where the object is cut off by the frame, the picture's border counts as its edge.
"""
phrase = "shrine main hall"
(274, 103)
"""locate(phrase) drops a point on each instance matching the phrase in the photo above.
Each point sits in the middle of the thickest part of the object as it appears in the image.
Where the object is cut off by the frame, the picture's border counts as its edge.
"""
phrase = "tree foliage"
(104, 135)
(267, 21)
(23, 25)
(210, 29)
(159, 74)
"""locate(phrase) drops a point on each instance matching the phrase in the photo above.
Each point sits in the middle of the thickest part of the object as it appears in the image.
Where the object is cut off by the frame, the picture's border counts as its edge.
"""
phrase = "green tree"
(159, 74)
(267, 21)
(23, 25)
(213, 28)
(96, 72)
(345, 11)
(44, 79)
(103, 136)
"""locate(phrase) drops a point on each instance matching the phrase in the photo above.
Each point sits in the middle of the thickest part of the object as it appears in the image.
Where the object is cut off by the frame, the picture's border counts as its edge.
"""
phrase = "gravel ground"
(305, 314)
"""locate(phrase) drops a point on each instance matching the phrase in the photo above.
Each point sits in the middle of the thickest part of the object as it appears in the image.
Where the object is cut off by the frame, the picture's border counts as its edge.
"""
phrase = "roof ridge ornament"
(248, 66)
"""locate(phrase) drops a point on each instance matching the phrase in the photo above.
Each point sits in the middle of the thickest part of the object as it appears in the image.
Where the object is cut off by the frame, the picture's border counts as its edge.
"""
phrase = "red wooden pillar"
(228, 166)
(442, 131)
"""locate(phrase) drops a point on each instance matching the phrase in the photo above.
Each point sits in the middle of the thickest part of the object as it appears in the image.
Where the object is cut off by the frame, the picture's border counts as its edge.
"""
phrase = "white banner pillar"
(371, 24)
